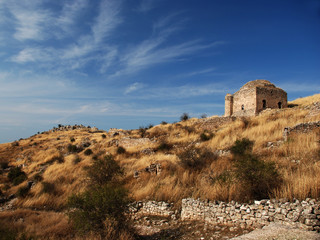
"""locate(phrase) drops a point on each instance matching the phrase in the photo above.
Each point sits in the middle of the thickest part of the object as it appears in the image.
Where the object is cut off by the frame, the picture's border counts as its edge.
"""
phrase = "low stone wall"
(305, 214)
(300, 128)
(153, 208)
(302, 214)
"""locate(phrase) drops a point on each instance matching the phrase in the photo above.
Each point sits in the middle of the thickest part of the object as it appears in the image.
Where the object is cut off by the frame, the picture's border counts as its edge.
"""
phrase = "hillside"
(157, 164)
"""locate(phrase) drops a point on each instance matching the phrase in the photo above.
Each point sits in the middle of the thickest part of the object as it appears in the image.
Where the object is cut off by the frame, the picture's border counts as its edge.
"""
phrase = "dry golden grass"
(298, 160)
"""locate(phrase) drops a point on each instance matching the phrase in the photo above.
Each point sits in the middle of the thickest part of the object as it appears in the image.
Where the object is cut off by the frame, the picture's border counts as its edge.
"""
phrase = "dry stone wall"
(300, 128)
(304, 214)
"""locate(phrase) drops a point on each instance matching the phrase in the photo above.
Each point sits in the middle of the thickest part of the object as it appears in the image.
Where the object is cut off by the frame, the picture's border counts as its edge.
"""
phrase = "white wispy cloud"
(133, 87)
(147, 5)
(69, 14)
(154, 50)
(30, 19)
(108, 19)
(32, 55)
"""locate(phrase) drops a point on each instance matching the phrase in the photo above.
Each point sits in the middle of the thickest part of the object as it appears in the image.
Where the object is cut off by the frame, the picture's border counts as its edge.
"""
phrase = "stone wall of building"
(272, 98)
(228, 105)
(244, 102)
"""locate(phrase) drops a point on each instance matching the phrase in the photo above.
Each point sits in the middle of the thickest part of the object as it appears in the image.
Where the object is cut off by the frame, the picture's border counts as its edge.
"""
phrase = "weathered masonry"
(254, 97)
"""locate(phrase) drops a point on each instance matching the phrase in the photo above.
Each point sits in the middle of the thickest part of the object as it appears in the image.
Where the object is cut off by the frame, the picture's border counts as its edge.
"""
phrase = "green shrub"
(38, 177)
(48, 187)
(6, 233)
(164, 123)
(224, 178)
(142, 131)
(88, 152)
(22, 192)
(103, 136)
(121, 150)
(98, 208)
(196, 159)
(16, 176)
(242, 147)
(102, 207)
(58, 159)
(184, 117)
(104, 170)
(4, 165)
(73, 148)
(76, 160)
(164, 146)
(206, 136)
(72, 139)
(257, 177)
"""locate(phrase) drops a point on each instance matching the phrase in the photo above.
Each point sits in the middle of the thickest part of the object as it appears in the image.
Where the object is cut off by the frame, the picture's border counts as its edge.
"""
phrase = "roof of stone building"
(258, 83)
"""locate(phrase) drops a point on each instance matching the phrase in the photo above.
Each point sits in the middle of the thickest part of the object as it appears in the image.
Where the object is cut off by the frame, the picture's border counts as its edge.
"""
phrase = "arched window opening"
(264, 104)
(242, 107)
(280, 104)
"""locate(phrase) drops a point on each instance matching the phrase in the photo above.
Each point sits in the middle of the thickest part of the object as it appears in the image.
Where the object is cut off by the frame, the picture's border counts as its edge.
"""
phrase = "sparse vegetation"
(164, 146)
(121, 150)
(101, 208)
(295, 163)
(88, 152)
(184, 117)
(258, 178)
(206, 136)
(23, 191)
(196, 159)
(16, 175)
(47, 187)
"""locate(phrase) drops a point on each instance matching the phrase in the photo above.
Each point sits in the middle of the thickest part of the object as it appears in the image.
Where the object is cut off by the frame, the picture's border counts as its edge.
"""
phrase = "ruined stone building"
(253, 97)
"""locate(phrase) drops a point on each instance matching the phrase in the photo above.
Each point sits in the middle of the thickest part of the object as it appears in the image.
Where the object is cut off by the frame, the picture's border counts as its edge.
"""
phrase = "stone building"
(254, 97)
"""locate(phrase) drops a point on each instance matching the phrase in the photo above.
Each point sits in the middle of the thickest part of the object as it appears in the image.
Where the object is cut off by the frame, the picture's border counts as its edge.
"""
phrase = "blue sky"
(125, 64)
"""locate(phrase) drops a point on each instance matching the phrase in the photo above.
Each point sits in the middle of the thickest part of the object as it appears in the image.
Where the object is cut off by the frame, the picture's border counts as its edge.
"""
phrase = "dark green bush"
(142, 131)
(164, 123)
(48, 187)
(38, 177)
(76, 160)
(205, 136)
(196, 159)
(184, 117)
(104, 170)
(164, 146)
(6, 233)
(257, 177)
(72, 139)
(103, 136)
(22, 192)
(242, 147)
(58, 159)
(88, 152)
(4, 165)
(73, 148)
(224, 178)
(16, 176)
(102, 207)
(98, 207)
(121, 150)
